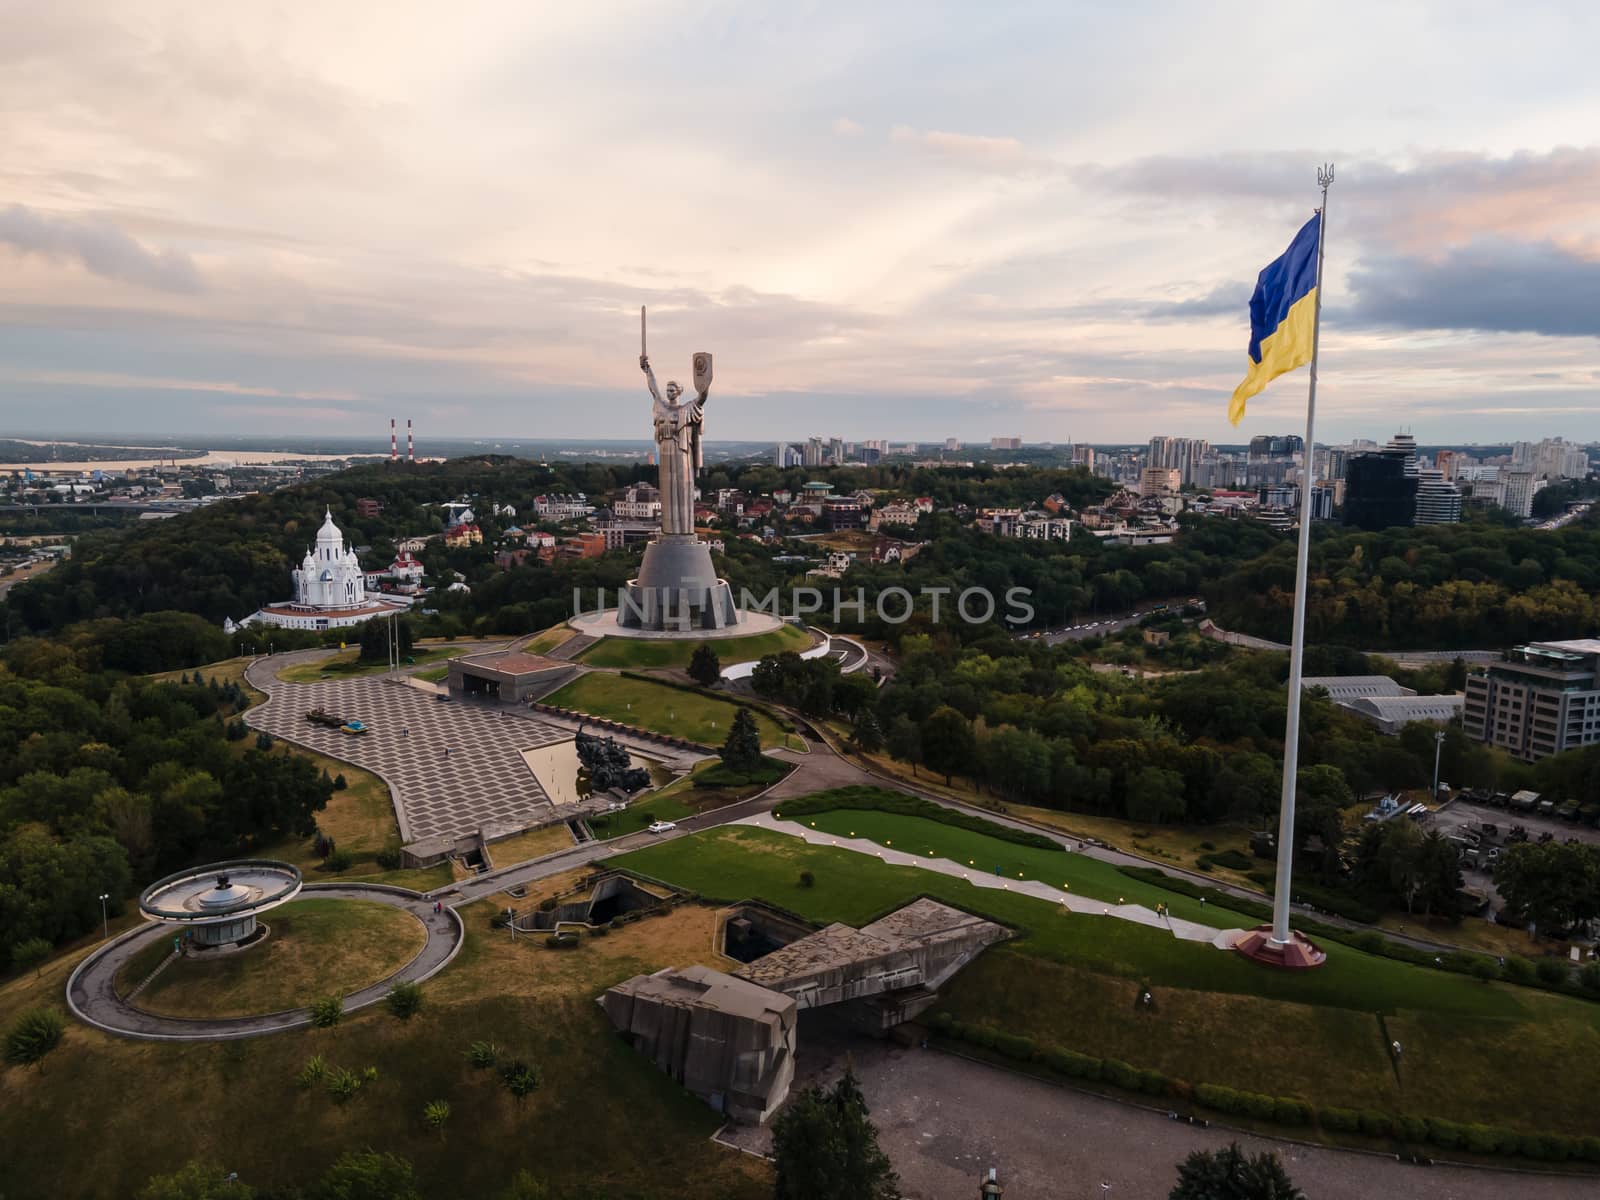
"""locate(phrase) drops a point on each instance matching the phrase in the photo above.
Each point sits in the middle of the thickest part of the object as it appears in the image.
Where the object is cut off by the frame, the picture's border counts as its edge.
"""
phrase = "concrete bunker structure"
(510, 677)
(731, 1038)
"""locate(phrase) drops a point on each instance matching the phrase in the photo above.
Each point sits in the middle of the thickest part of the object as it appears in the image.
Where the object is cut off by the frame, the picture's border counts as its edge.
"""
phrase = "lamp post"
(1438, 748)
(105, 920)
(990, 1188)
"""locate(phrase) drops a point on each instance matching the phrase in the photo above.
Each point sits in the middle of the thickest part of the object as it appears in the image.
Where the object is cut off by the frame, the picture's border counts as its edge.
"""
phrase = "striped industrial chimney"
(394, 447)
(411, 445)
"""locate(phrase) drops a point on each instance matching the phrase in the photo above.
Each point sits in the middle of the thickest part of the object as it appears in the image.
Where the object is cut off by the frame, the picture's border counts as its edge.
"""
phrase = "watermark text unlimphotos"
(892, 606)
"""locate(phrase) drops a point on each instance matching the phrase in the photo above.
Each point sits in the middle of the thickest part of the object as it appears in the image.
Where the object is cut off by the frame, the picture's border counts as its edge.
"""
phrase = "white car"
(662, 826)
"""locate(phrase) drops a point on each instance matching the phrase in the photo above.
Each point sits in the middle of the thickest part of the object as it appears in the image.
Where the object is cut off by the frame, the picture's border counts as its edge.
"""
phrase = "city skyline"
(230, 222)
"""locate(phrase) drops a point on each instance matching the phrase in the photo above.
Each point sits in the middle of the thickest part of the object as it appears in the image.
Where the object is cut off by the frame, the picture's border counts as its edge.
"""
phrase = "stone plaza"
(452, 767)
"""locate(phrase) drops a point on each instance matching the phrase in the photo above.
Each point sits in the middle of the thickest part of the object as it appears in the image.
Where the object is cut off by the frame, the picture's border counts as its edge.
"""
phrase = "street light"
(1438, 748)
(990, 1189)
(104, 919)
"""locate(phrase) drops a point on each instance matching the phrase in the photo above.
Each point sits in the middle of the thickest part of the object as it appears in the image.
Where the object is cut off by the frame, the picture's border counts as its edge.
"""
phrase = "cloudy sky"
(886, 220)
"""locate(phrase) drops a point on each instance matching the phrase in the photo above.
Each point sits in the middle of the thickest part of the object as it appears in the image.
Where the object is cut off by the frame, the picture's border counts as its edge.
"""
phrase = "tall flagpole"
(1291, 732)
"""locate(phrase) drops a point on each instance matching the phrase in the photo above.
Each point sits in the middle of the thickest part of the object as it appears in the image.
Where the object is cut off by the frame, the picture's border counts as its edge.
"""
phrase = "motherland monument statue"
(677, 589)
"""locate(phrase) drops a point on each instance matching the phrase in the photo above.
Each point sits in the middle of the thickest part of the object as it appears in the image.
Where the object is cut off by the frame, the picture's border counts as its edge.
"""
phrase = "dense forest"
(1477, 584)
(108, 780)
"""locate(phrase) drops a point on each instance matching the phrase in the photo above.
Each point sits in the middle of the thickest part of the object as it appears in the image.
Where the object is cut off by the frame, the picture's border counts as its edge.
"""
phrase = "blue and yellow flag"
(1283, 315)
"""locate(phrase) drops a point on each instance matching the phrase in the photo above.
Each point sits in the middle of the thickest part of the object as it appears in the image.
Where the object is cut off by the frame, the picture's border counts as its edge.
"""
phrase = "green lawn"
(434, 674)
(738, 862)
(656, 706)
(348, 664)
(647, 652)
(639, 814)
(1078, 873)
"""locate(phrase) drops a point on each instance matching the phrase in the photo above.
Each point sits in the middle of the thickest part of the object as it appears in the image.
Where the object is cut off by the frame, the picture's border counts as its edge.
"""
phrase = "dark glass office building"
(1378, 493)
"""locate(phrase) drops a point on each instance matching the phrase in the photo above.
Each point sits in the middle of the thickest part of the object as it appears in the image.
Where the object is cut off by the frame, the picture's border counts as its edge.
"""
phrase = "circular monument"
(219, 903)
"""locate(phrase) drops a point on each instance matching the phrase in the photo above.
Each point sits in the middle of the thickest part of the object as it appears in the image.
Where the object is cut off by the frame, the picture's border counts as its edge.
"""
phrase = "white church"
(330, 589)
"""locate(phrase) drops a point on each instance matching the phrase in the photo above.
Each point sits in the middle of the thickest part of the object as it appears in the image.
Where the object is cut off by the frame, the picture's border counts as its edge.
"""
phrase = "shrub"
(327, 1012)
(520, 1079)
(33, 1035)
(343, 1084)
(982, 1035)
(339, 783)
(404, 1000)
(941, 1021)
(1231, 859)
(1290, 1112)
(339, 861)
(1115, 1071)
(1552, 972)
(1589, 1149)
(30, 953)
(1445, 1133)
(1518, 970)
(313, 1072)
(1485, 1139)
(565, 940)
(263, 740)
(483, 1055)
(1484, 969)
(1376, 1124)
(436, 1113)
(1152, 1082)
(600, 931)
(807, 879)
(1014, 1046)
(1345, 1120)
(548, 904)
(389, 858)
(1589, 979)
(1413, 1129)
(1070, 1063)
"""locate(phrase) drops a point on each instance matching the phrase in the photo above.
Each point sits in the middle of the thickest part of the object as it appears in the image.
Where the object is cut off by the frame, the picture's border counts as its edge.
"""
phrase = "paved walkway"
(93, 998)
(451, 766)
(1189, 931)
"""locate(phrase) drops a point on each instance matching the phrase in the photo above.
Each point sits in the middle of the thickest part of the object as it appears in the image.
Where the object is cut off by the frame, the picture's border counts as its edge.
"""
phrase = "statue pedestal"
(677, 589)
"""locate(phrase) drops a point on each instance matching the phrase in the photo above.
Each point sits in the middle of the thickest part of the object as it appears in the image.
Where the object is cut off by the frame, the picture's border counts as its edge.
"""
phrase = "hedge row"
(883, 800)
(1281, 1110)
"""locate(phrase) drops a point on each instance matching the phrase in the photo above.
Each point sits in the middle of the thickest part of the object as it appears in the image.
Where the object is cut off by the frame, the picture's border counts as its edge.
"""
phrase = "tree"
(404, 999)
(368, 1175)
(34, 1035)
(196, 1180)
(1230, 1174)
(948, 743)
(705, 668)
(375, 638)
(741, 751)
(866, 733)
(30, 952)
(520, 1079)
(1553, 885)
(824, 1145)
(1155, 794)
(904, 741)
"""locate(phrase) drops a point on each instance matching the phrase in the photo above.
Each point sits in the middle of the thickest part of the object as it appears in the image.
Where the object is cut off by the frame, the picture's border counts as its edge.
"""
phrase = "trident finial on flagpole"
(1325, 178)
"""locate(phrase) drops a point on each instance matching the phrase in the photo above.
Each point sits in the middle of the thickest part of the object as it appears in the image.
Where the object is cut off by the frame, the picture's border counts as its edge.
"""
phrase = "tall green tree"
(705, 668)
(1230, 1174)
(1554, 885)
(741, 749)
(824, 1145)
(904, 741)
(949, 745)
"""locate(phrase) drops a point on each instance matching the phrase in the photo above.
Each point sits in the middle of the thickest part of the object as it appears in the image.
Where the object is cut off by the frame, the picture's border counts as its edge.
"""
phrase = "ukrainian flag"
(1283, 315)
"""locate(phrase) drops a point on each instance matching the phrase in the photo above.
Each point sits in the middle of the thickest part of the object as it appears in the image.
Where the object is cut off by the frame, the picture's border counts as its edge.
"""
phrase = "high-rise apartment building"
(813, 453)
(1542, 699)
(1516, 492)
(1083, 456)
(1275, 445)
(1438, 501)
(1005, 443)
(952, 443)
(1405, 444)
(1378, 493)
(1159, 481)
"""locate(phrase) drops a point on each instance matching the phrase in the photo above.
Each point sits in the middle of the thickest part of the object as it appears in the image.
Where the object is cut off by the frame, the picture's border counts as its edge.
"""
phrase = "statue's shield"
(702, 371)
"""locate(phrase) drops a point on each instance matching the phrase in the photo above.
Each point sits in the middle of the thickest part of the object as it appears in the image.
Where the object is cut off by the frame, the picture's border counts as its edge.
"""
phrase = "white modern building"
(330, 589)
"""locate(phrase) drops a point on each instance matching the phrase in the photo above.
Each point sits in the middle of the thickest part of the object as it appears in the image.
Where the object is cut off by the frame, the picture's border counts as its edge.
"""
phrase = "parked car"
(662, 826)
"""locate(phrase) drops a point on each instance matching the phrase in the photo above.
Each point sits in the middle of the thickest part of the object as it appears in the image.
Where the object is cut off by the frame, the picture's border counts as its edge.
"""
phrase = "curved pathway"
(93, 999)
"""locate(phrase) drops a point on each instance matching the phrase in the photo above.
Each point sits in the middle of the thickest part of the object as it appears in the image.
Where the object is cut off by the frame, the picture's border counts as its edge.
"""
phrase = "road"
(92, 996)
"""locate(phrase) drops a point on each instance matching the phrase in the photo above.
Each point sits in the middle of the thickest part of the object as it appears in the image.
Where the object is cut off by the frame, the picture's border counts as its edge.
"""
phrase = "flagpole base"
(1299, 953)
